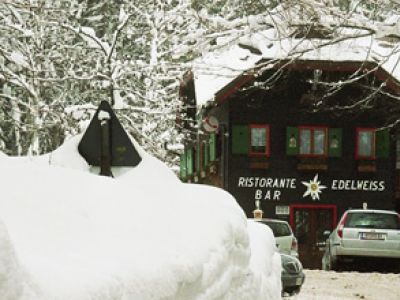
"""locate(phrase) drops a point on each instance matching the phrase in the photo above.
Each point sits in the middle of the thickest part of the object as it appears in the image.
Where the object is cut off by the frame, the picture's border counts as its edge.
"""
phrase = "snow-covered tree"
(286, 31)
(32, 120)
(60, 58)
(78, 53)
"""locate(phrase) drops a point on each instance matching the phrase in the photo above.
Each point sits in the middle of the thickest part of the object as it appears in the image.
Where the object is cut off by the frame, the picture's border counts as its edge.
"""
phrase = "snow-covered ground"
(322, 285)
(69, 234)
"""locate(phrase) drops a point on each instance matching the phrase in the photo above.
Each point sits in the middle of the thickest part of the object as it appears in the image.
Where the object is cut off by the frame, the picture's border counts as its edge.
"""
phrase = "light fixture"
(317, 77)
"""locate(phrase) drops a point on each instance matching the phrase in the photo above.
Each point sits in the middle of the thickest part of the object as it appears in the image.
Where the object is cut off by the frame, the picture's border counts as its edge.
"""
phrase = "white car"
(286, 242)
(363, 233)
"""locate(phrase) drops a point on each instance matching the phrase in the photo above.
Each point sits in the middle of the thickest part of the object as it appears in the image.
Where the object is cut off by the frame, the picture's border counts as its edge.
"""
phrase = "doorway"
(309, 223)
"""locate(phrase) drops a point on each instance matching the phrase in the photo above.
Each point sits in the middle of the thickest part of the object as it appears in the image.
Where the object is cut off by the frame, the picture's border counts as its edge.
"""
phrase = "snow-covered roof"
(214, 71)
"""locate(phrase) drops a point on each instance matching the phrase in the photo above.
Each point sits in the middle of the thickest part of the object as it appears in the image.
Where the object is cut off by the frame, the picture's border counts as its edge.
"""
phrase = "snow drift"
(66, 233)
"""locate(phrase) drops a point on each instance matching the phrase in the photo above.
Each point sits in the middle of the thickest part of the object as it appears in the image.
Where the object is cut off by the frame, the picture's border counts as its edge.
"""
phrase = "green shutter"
(183, 163)
(198, 157)
(213, 147)
(189, 162)
(292, 141)
(240, 139)
(335, 142)
(382, 143)
(206, 155)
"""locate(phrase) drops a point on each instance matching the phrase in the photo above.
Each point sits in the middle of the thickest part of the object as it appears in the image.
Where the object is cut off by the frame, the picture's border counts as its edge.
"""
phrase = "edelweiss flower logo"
(314, 188)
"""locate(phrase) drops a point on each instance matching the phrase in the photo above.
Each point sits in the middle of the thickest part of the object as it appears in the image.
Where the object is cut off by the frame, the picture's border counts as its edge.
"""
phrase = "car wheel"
(293, 290)
(397, 268)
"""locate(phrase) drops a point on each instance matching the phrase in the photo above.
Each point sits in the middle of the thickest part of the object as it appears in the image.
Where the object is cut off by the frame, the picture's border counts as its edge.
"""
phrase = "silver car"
(286, 242)
(363, 233)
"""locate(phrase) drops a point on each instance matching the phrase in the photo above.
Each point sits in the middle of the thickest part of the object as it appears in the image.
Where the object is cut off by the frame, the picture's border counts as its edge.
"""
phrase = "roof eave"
(324, 65)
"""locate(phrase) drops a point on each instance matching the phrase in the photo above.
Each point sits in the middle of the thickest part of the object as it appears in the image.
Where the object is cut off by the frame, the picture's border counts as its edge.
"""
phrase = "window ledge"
(369, 166)
(259, 165)
(312, 163)
(260, 162)
(308, 166)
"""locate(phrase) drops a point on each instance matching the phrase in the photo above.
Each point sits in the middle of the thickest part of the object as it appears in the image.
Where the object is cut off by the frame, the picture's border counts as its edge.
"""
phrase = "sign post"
(105, 149)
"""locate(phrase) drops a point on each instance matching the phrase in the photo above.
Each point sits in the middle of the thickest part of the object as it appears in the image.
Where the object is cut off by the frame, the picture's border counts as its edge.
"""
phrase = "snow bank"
(12, 278)
(66, 233)
(264, 259)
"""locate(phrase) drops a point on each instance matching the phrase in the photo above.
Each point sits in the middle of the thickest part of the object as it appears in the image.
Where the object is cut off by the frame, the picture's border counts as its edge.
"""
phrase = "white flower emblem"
(314, 188)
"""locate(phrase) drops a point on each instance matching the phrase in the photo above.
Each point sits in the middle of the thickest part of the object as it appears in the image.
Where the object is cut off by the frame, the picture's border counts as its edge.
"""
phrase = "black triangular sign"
(123, 153)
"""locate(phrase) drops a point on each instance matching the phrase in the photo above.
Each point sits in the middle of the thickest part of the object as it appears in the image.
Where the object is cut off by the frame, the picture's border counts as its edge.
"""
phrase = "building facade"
(282, 147)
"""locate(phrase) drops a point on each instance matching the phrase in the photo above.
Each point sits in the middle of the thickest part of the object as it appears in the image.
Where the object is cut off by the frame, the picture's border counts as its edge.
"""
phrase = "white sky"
(66, 233)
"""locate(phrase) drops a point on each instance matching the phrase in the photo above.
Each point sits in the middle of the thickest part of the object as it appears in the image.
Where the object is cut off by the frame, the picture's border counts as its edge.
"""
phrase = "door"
(309, 222)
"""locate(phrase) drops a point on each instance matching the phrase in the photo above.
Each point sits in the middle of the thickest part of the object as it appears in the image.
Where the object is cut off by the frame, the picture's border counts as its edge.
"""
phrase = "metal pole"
(105, 148)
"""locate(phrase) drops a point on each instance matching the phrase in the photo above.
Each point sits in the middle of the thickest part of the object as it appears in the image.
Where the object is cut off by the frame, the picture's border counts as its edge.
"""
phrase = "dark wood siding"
(348, 182)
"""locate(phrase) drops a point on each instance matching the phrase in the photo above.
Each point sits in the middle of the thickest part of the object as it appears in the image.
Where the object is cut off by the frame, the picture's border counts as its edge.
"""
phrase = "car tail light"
(341, 225)
(294, 245)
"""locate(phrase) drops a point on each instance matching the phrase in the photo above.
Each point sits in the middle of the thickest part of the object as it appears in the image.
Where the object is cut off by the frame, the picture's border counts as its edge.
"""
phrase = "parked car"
(363, 233)
(292, 274)
(286, 242)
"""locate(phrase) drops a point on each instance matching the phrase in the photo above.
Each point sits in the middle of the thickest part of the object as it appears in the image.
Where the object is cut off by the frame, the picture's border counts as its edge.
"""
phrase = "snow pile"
(68, 234)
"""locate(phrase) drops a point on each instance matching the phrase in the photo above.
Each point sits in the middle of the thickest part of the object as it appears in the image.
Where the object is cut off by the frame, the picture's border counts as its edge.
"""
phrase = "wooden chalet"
(276, 144)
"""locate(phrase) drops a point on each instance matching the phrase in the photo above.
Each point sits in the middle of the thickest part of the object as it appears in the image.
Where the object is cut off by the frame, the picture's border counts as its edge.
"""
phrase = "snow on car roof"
(269, 220)
(372, 211)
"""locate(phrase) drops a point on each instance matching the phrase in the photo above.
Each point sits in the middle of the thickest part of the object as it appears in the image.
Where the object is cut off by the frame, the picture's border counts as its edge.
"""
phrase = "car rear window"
(279, 229)
(372, 220)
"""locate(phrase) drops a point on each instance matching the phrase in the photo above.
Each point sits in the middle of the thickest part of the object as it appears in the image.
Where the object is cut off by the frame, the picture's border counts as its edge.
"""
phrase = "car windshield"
(279, 229)
(372, 220)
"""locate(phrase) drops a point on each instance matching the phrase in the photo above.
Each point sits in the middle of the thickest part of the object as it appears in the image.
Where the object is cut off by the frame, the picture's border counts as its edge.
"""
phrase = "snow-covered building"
(301, 127)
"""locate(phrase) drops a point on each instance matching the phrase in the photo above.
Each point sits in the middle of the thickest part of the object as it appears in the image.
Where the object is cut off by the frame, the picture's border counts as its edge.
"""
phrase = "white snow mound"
(66, 233)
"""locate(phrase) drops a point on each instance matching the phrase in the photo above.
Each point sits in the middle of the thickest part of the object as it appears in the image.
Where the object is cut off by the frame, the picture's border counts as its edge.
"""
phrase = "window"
(373, 220)
(372, 143)
(313, 141)
(189, 162)
(259, 139)
(365, 143)
(253, 139)
(279, 228)
(212, 145)
(186, 164)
